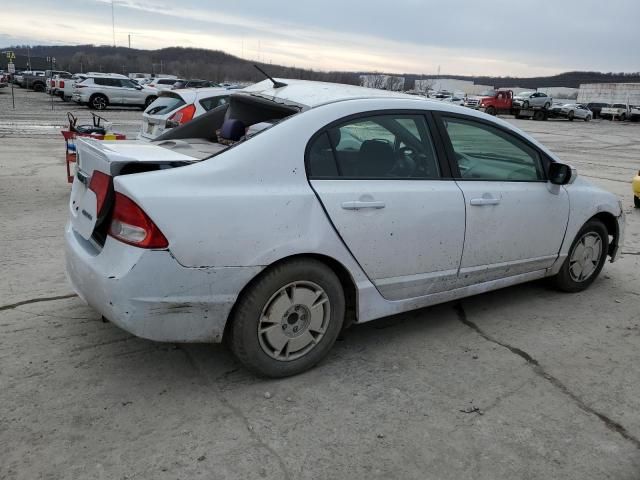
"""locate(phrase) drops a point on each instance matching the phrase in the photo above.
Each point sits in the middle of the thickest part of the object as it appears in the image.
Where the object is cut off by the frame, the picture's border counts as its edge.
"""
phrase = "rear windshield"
(164, 104)
(619, 105)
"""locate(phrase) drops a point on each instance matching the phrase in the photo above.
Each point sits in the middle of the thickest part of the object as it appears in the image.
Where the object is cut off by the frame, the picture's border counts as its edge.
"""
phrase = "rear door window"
(375, 147)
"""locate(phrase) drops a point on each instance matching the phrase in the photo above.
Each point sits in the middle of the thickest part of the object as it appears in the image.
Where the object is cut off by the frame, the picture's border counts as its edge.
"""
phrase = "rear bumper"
(149, 294)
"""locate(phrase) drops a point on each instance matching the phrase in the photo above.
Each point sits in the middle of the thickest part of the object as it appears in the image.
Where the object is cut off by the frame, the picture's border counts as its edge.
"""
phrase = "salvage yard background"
(524, 382)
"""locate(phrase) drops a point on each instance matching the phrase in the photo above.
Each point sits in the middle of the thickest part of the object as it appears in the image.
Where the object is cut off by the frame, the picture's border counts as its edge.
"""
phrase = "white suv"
(164, 83)
(100, 91)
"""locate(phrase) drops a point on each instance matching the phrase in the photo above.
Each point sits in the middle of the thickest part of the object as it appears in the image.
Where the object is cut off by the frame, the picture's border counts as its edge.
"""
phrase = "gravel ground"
(523, 382)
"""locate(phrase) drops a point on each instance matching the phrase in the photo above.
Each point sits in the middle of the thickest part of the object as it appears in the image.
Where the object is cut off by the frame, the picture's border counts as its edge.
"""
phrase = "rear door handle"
(357, 205)
(479, 202)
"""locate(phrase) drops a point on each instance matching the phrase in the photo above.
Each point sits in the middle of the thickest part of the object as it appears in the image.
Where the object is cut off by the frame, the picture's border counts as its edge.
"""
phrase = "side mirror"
(561, 173)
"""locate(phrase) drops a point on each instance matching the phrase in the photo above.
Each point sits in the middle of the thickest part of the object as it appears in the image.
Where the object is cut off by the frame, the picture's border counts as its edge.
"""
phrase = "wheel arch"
(611, 223)
(343, 274)
(99, 94)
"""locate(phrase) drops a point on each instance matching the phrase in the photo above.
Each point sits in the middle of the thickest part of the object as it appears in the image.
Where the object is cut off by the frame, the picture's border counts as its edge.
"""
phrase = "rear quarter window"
(213, 102)
(163, 105)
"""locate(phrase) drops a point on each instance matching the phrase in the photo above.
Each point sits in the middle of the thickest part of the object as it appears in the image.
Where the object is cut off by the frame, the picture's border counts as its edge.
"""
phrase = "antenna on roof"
(276, 84)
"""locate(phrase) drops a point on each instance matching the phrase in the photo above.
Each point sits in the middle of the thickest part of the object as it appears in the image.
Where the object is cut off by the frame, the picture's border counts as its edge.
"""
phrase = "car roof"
(310, 94)
(190, 95)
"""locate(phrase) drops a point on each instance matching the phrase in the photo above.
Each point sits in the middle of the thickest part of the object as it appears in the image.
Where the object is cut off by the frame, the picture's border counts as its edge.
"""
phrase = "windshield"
(525, 94)
(488, 93)
(164, 104)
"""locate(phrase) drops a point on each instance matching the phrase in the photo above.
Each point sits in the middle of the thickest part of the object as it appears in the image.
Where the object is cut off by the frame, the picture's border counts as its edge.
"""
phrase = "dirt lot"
(555, 377)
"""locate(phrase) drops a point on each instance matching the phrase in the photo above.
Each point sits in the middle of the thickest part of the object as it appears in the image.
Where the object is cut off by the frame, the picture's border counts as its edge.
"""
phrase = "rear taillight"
(100, 184)
(61, 84)
(131, 225)
(183, 115)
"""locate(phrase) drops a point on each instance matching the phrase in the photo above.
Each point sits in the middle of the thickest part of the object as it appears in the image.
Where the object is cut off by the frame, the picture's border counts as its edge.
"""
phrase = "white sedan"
(576, 110)
(302, 207)
(173, 108)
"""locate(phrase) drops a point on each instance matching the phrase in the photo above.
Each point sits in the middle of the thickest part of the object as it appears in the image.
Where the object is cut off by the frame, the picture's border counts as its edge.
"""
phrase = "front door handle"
(479, 202)
(357, 205)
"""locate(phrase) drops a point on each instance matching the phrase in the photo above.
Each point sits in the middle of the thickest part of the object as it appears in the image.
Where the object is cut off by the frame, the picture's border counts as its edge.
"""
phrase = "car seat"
(232, 131)
(376, 158)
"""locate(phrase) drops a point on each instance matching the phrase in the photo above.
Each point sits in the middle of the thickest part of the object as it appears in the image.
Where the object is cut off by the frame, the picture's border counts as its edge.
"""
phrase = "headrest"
(232, 130)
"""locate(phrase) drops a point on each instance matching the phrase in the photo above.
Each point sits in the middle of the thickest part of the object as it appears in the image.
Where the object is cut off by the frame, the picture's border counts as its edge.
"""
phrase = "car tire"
(148, 101)
(571, 116)
(98, 102)
(586, 258)
(299, 305)
(38, 87)
(491, 111)
(587, 118)
(636, 201)
(525, 104)
(623, 117)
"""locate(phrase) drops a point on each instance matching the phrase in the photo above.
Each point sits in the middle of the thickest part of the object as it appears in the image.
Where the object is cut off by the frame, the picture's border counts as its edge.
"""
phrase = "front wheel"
(491, 111)
(288, 320)
(587, 118)
(636, 201)
(571, 116)
(586, 258)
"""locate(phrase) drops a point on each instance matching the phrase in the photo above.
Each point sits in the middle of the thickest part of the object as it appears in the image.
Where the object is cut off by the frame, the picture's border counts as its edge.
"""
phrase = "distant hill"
(220, 66)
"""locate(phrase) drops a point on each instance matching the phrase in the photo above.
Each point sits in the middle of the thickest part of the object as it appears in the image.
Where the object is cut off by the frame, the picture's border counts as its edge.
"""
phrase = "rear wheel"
(586, 258)
(636, 201)
(98, 102)
(571, 115)
(288, 320)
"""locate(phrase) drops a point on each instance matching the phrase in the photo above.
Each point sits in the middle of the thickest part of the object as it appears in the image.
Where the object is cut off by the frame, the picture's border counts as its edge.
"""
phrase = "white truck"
(617, 111)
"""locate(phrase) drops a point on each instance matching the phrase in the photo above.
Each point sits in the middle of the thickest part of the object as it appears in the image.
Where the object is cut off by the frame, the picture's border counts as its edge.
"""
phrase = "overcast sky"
(475, 37)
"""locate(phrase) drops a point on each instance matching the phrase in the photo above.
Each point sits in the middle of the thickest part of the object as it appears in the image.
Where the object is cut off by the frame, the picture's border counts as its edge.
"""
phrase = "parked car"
(57, 82)
(532, 99)
(576, 110)
(100, 91)
(194, 84)
(619, 111)
(19, 78)
(596, 107)
(496, 102)
(65, 86)
(455, 99)
(173, 108)
(351, 204)
(634, 113)
(4, 80)
(163, 83)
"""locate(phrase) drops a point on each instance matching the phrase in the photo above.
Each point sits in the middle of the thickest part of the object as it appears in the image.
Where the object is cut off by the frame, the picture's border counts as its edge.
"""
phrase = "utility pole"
(129, 41)
(113, 22)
